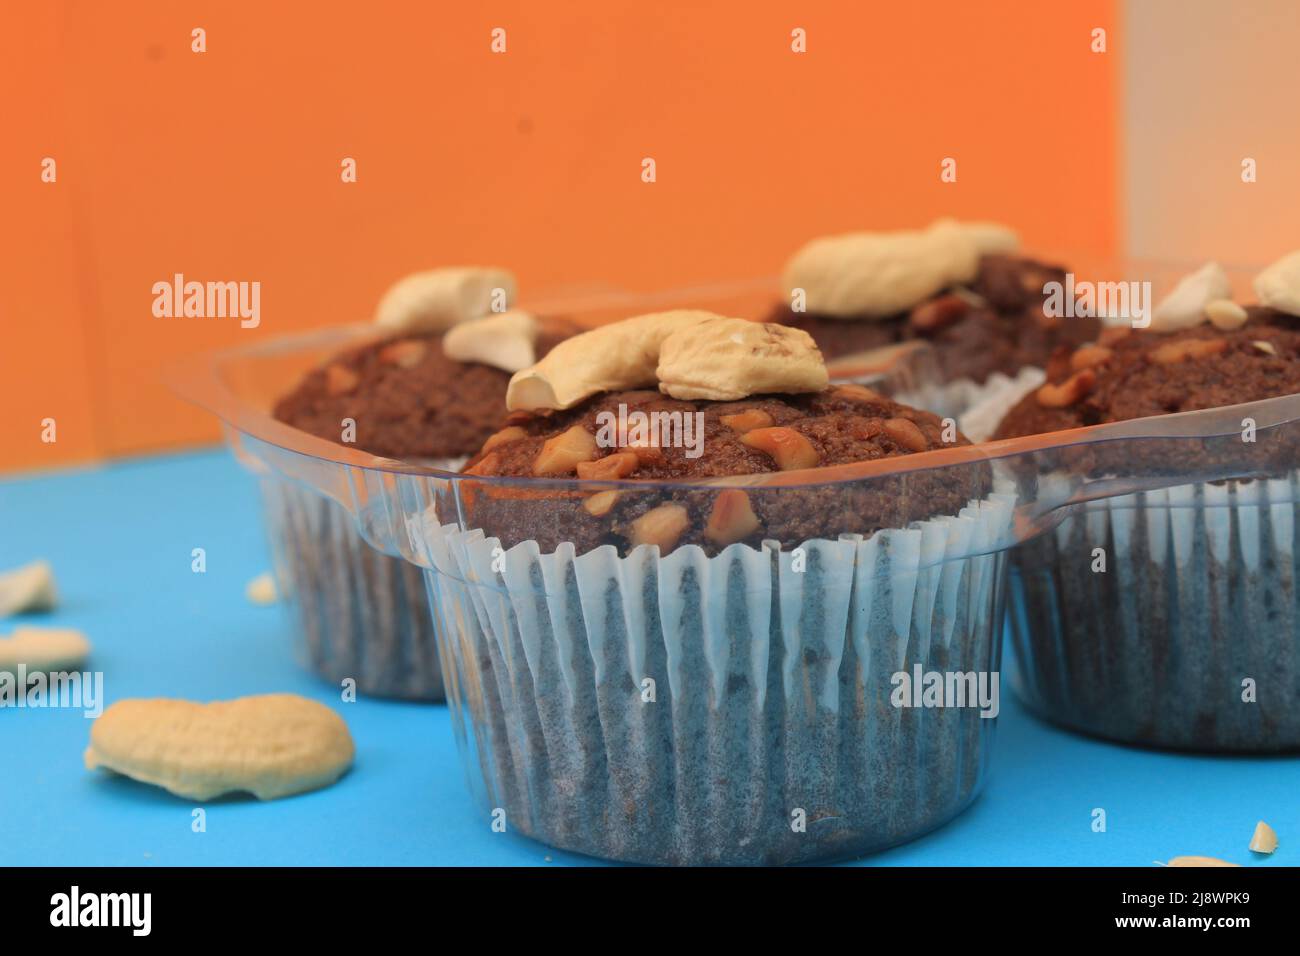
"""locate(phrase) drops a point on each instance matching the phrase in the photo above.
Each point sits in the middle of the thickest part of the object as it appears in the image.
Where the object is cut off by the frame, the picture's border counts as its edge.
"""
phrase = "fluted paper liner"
(358, 613)
(1198, 595)
(771, 688)
(959, 397)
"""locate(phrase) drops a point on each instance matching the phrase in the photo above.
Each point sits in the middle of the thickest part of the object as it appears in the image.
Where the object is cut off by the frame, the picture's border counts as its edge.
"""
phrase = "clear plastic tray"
(735, 706)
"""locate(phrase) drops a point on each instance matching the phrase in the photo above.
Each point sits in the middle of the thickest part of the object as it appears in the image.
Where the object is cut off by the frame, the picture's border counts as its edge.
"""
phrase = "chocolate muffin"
(1167, 617)
(688, 651)
(957, 287)
(426, 393)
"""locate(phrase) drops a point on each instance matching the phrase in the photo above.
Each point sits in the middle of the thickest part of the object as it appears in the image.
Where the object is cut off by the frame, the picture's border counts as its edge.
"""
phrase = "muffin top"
(408, 398)
(1135, 374)
(958, 286)
(700, 423)
(1243, 354)
(436, 388)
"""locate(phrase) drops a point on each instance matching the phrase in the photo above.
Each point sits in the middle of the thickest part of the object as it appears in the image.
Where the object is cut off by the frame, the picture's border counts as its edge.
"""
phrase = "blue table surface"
(120, 539)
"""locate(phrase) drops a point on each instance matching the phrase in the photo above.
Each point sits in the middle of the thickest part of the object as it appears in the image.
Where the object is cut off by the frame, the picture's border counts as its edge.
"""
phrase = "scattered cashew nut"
(43, 650)
(271, 745)
(29, 588)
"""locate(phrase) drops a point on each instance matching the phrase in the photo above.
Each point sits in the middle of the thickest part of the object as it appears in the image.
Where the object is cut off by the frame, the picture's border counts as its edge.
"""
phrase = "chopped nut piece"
(29, 588)
(747, 420)
(645, 449)
(509, 433)
(906, 433)
(789, 449)
(1264, 840)
(610, 468)
(732, 518)
(487, 465)
(970, 297)
(1226, 315)
(1044, 320)
(1173, 352)
(859, 393)
(938, 313)
(1111, 334)
(262, 590)
(1068, 392)
(662, 526)
(407, 353)
(561, 454)
(1199, 861)
(339, 380)
(865, 429)
(1033, 281)
(600, 503)
(1268, 348)
(1088, 356)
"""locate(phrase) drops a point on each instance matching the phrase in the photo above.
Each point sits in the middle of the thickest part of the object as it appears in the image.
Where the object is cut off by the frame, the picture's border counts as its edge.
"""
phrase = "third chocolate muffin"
(1187, 634)
(430, 391)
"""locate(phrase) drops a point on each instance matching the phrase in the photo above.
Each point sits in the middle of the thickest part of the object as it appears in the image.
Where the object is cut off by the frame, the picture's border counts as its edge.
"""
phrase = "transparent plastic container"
(744, 706)
(359, 614)
(1168, 616)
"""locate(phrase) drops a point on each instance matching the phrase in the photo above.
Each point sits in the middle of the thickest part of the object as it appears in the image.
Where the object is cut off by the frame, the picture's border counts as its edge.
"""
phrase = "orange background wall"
(225, 165)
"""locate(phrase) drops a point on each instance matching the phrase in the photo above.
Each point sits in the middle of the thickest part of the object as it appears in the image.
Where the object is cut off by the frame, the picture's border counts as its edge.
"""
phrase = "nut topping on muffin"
(1147, 374)
(620, 355)
(505, 340)
(1278, 286)
(727, 359)
(878, 274)
(1068, 392)
(776, 414)
(1185, 306)
(688, 354)
(436, 300)
(1225, 314)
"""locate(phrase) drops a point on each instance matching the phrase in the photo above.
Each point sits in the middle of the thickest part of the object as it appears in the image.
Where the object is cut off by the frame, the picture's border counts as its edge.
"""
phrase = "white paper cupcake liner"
(771, 688)
(358, 613)
(958, 398)
(1198, 595)
(985, 407)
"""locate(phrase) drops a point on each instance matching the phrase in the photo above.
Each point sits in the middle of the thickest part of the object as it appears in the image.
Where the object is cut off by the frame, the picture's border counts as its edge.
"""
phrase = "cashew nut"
(1185, 305)
(270, 746)
(608, 358)
(436, 300)
(507, 341)
(1278, 286)
(879, 274)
